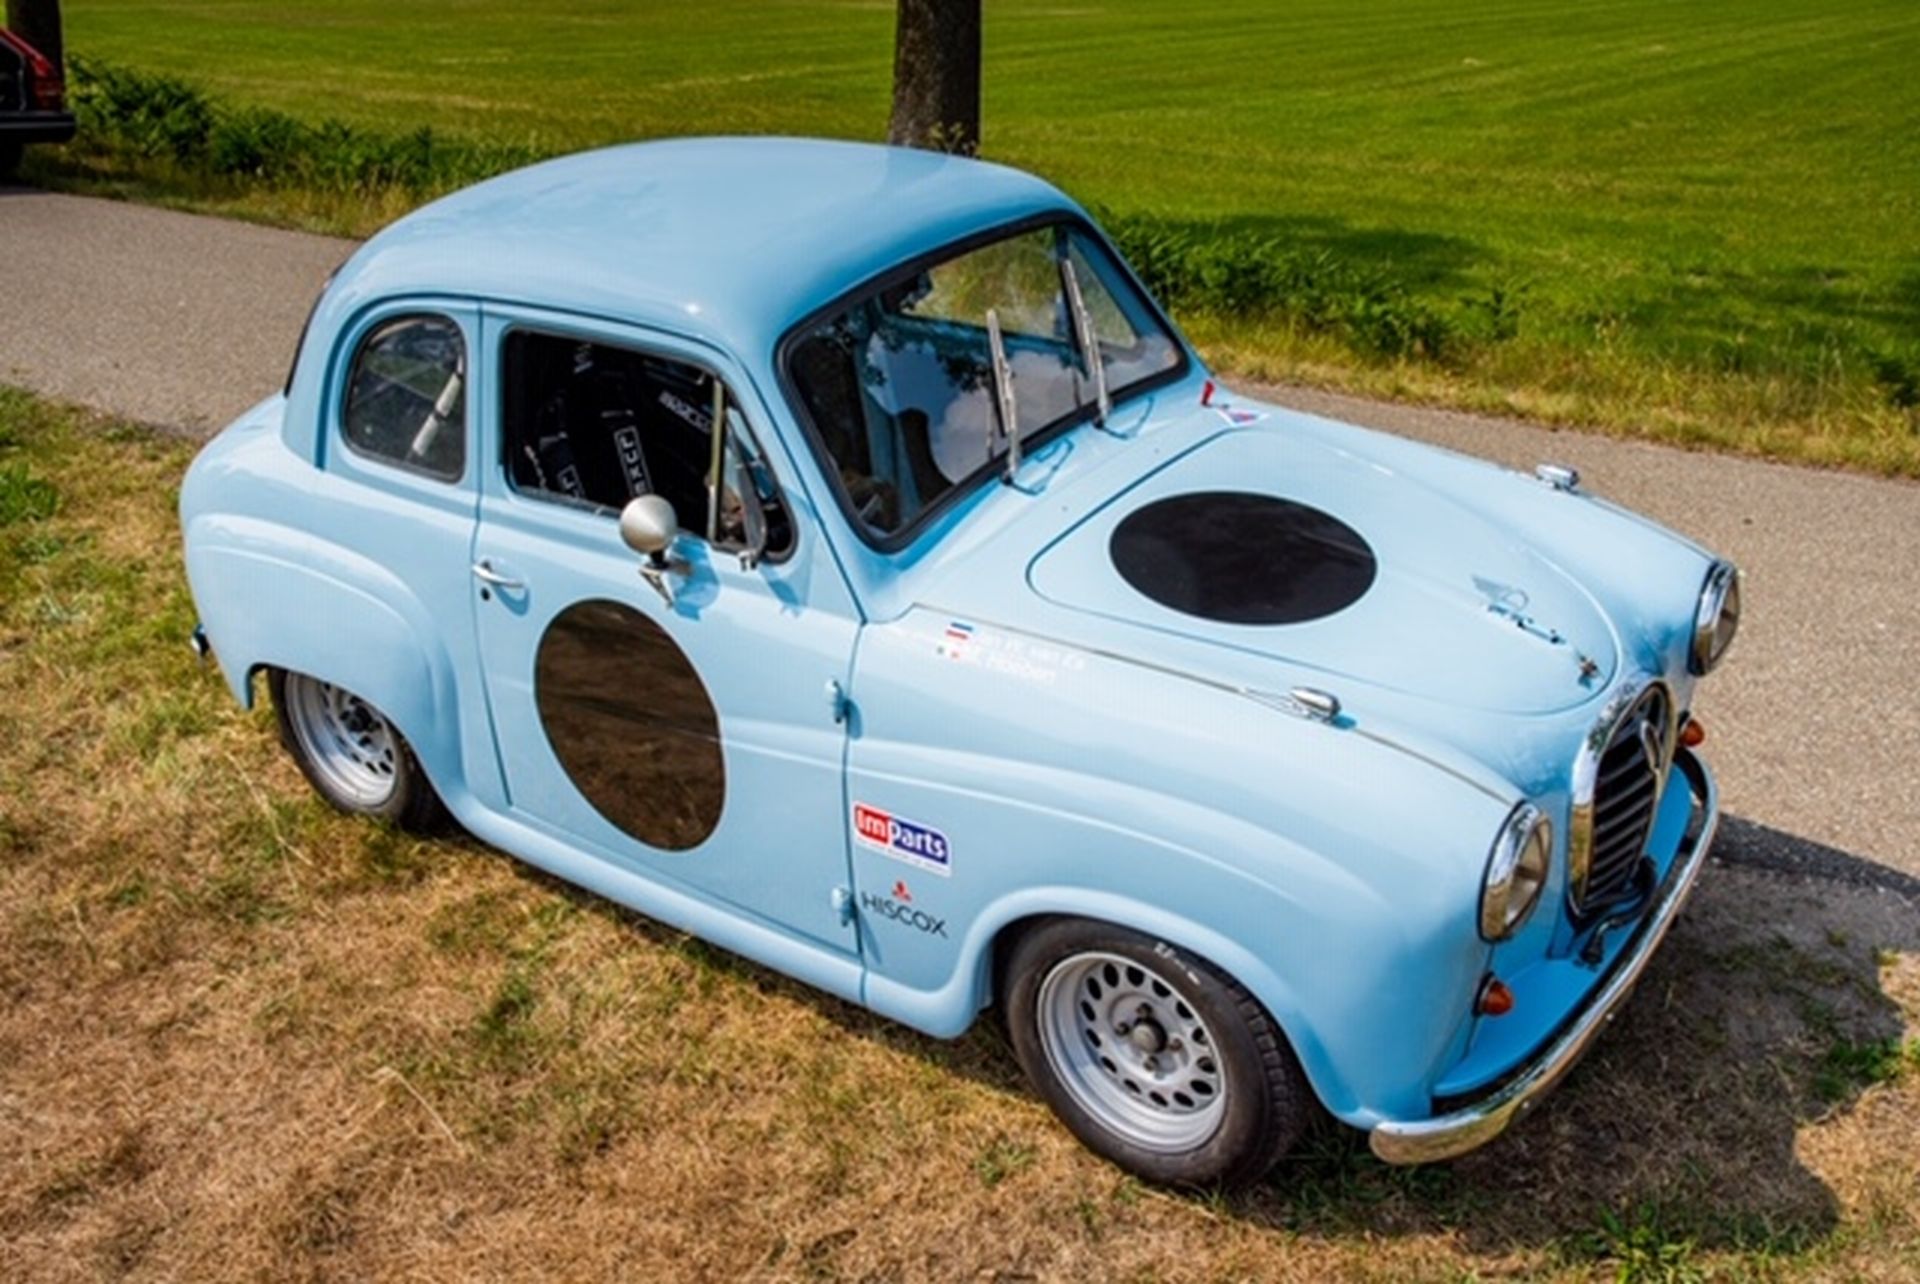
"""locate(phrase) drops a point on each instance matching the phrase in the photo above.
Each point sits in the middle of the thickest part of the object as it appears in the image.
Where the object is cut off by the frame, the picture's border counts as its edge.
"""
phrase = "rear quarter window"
(406, 396)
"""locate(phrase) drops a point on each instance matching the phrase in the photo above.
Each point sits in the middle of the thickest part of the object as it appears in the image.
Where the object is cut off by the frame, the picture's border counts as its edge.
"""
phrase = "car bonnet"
(1285, 546)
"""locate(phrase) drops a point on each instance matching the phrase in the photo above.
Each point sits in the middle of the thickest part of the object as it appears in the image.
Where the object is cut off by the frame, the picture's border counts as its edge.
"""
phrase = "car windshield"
(899, 385)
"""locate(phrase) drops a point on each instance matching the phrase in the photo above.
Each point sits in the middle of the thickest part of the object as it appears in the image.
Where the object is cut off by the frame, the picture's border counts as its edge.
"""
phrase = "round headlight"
(1717, 619)
(1516, 872)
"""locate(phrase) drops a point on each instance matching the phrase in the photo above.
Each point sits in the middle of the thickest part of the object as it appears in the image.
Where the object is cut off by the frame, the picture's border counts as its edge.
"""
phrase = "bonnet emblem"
(1510, 603)
(1650, 745)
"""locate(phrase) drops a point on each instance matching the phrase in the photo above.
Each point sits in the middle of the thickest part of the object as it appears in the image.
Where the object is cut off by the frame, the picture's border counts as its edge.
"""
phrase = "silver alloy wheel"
(1132, 1051)
(345, 740)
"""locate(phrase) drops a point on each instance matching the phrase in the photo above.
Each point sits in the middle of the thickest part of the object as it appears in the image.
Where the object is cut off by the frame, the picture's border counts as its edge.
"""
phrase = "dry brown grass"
(244, 1038)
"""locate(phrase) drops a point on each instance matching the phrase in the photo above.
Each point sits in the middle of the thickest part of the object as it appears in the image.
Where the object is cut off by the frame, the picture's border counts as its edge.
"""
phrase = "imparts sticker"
(921, 846)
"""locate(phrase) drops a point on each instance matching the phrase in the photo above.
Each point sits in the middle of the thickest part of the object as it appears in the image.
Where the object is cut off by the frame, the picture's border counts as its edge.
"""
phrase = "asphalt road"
(1814, 723)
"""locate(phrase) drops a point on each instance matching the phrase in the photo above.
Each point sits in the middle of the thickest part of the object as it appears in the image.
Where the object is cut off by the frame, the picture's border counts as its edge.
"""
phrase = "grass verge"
(244, 1037)
(1797, 375)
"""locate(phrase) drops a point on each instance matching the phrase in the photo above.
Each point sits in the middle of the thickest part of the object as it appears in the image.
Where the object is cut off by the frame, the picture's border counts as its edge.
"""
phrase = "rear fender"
(270, 597)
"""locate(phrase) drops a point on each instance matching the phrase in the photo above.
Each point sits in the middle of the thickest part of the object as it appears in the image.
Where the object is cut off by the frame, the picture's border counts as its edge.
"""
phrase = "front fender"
(947, 1011)
(1335, 876)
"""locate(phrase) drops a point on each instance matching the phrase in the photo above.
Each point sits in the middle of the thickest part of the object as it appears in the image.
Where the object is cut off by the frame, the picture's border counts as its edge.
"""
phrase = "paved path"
(168, 318)
(183, 321)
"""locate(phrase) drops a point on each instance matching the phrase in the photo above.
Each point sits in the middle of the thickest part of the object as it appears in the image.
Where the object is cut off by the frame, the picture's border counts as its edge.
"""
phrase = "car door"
(396, 446)
(693, 740)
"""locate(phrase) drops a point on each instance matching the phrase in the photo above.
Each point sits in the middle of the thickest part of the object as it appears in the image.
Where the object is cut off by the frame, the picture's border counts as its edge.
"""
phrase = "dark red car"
(33, 101)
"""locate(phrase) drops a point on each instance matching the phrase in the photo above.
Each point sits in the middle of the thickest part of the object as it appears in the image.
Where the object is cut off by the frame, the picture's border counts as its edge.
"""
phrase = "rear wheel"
(1154, 1058)
(9, 159)
(350, 753)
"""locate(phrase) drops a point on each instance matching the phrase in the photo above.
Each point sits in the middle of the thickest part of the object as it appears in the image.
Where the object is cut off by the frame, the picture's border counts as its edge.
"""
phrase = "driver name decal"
(1008, 655)
(918, 845)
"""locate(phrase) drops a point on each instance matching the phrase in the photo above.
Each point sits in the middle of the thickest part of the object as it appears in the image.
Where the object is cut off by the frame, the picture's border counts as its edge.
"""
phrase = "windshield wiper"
(1086, 340)
(1003, 395)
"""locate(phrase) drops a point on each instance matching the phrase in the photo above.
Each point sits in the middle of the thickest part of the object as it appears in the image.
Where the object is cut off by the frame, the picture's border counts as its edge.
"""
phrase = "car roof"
(728, 239)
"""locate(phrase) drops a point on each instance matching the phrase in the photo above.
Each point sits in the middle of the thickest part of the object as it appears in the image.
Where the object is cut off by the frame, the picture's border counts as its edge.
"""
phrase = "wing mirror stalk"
(649, 527)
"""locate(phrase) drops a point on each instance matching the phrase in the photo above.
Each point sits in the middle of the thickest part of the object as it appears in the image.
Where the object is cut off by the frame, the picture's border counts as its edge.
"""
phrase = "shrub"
(160, 117)
(1229, 272)
(154, 116)
(1194, 268)
(1899, 377)
(257, 143)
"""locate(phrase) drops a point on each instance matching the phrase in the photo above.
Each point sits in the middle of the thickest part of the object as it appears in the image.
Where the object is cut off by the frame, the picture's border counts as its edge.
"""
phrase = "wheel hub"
(345, 739)
(1146, 1034)
(1132, 1050)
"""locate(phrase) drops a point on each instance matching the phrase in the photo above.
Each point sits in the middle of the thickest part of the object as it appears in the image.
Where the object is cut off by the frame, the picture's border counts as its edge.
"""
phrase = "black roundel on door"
(631, 723)
(1241, 558)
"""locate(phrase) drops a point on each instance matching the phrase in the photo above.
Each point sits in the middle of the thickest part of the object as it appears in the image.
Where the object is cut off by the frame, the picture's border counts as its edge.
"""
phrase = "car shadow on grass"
(1764, 1013)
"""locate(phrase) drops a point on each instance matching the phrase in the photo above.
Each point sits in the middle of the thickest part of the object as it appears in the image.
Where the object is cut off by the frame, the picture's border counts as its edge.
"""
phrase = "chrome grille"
(1614, 821)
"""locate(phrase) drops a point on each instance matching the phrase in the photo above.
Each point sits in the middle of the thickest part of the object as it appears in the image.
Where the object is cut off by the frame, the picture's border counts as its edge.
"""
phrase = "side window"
(406, 396)
(597, 425)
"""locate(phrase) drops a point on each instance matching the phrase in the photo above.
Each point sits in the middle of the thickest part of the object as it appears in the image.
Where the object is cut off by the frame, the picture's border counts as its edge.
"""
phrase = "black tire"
(10, 154)
(412, 804)
(1266, 1102)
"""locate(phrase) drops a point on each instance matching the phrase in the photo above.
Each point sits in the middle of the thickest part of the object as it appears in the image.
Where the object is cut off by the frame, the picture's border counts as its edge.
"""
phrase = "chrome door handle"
(484, 572)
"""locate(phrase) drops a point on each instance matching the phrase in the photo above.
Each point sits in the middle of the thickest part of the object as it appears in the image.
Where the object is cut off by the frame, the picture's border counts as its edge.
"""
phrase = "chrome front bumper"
(1420, 1141)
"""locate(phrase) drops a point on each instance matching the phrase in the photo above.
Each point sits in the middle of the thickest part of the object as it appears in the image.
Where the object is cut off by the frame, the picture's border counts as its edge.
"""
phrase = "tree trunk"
(38, 23)
(936, 76)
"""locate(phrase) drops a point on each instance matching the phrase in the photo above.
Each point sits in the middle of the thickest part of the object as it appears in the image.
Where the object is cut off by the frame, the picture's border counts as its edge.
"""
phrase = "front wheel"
(351, 754)
(9, 159)
(1155, 1059)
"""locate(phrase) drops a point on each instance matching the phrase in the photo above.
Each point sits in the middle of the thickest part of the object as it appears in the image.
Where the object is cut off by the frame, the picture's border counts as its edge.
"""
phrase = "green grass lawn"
(1701, 221)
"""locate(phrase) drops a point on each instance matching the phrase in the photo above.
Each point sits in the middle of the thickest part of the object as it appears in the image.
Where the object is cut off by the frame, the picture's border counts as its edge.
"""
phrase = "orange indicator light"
(1495, 998)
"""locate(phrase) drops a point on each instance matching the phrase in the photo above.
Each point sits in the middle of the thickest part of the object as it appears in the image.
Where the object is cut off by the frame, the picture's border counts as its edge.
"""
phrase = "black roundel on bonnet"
(1240, 558)
(631, 723)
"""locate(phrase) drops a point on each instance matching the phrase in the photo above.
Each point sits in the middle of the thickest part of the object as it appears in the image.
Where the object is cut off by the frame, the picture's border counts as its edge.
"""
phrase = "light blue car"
(832, 551)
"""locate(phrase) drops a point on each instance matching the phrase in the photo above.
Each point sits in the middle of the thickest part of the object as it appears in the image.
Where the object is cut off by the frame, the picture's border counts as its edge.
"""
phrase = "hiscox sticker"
(904, 840)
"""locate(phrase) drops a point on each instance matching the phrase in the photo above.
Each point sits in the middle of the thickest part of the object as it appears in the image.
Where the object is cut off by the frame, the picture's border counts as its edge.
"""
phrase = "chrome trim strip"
(1420, 1141)
(1273, 700)
(1516, 835)
(1722, 578)
(1586, 777)
(1504, 799)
